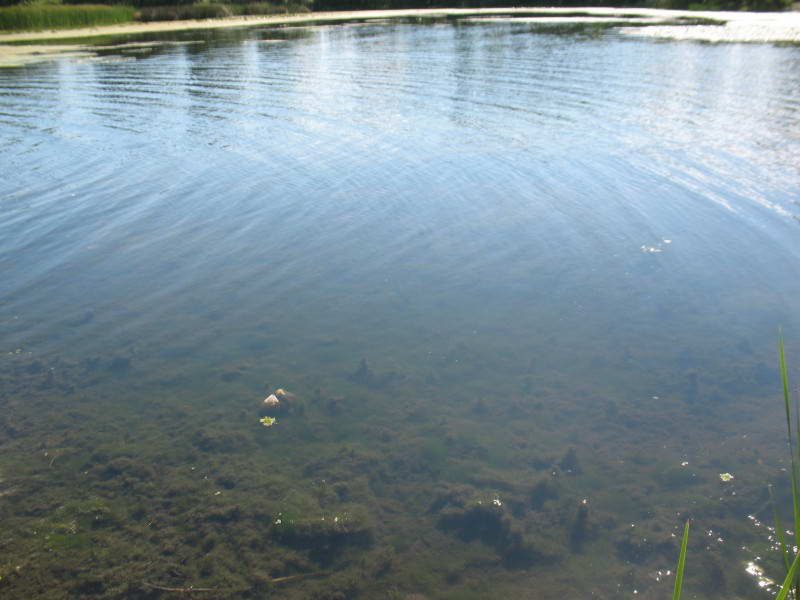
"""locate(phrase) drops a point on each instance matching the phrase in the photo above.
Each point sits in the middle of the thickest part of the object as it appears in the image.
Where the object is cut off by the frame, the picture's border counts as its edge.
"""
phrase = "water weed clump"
(50, 16)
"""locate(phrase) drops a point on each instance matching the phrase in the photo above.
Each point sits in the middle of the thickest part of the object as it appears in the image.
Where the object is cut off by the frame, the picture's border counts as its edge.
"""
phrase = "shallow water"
(473, 251)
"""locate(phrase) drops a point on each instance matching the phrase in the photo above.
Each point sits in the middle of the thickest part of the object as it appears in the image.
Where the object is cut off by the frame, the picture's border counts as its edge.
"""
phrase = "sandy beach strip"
(734, 26)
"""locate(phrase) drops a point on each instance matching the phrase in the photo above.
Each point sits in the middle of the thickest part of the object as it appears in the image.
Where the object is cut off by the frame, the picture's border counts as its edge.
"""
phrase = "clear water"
(536, 241)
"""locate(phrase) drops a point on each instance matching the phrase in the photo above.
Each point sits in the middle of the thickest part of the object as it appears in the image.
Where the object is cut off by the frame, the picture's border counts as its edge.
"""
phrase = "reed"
(788, 581)
(676, 592)
(32, 17)
(793, 439)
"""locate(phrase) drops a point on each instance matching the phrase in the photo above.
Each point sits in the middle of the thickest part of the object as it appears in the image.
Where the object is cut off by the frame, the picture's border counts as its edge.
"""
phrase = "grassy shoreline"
(17, 48)
(331, 17)
(44, 16)
(783, 25)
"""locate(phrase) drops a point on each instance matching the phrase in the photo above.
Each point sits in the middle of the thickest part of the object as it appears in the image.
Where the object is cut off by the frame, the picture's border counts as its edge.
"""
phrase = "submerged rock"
(271, 404)
(278, 403)
(284, 396)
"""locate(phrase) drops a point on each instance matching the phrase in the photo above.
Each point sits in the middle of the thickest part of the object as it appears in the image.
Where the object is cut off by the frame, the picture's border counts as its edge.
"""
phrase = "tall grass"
(212, 10)
(266, 8)
(794, 453)
(50, 16)
(787, 582)
(179, 12)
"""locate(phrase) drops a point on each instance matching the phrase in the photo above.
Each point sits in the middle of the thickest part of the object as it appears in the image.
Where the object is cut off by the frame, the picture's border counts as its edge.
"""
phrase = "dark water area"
(523, 288)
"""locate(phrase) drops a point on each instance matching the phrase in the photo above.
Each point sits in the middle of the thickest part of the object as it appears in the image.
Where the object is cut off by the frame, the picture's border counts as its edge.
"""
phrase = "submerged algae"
(361, 509)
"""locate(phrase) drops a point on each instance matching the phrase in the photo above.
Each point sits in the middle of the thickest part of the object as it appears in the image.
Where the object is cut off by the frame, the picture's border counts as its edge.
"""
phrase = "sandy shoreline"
(737, 27)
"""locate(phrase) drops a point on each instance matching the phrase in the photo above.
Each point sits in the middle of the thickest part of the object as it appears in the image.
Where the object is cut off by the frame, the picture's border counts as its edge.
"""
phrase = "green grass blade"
(797, 418)
(784, 372)
(795, 502)
(779, 529)
(676, 593)
(787, 583)
(787, 404)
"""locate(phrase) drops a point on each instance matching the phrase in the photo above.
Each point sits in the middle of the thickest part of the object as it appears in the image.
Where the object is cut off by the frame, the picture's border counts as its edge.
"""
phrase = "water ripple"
(489, 157)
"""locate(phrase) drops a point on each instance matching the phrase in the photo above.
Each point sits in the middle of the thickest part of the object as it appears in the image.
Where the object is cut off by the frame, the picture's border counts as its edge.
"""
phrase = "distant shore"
(734, 26)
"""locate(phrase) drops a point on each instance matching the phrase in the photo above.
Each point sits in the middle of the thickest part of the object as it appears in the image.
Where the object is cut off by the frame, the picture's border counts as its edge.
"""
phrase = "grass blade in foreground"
(787, 404)
(779, 529)
(676, 593)
(794, 467)
(787, 583)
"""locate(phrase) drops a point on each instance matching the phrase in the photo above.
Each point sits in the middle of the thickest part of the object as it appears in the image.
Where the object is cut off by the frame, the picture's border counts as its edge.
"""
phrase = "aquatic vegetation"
(542, 491)
(482, 516)
(677, 477)
(226, 507)
(786, 587)
(646, 542)
(791, 582)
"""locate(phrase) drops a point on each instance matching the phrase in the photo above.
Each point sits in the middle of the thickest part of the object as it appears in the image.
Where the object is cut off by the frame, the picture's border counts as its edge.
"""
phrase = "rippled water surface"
(509, 273)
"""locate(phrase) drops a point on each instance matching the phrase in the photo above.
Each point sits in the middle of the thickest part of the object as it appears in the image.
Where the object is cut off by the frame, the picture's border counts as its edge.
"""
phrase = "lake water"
(525, 285)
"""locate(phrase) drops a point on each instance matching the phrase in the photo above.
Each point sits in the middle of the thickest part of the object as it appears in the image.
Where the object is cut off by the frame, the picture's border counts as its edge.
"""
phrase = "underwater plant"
(791, 581)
